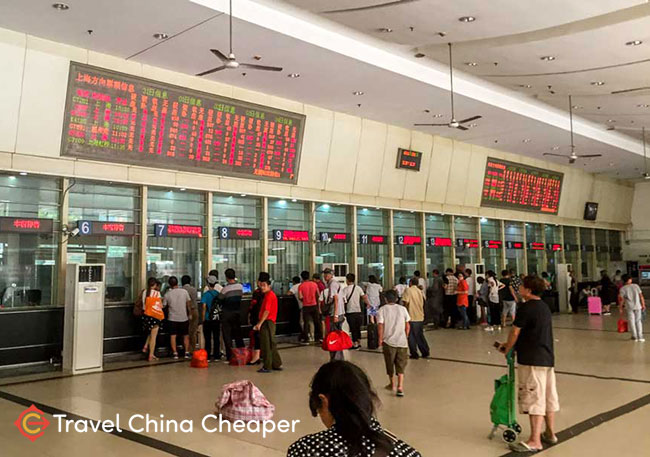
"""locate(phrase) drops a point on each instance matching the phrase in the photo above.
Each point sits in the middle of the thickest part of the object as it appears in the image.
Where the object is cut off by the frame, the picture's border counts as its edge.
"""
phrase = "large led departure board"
(115, 117)
(514, 186)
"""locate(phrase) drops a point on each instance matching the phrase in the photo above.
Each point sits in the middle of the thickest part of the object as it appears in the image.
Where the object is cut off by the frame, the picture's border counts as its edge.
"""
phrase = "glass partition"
(466, 241)
(587, 248)
(28, 266)
(492, 246)
(237, 223)
(372, 250)
(407, 253)
(439, 252)
(289, 257)
(515, 249)
(553, 254)
(615, 251)
(175, 254)
(571, 248)
(107, 202)
(602, 251)
(535, 248)
(333, 234)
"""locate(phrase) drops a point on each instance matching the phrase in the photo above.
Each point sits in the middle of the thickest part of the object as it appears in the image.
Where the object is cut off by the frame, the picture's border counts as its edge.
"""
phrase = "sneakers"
(175, 356)
(263, 370)
(400, 393)
(489, 328)
(641, 340)
(607, 313)
(188, 355)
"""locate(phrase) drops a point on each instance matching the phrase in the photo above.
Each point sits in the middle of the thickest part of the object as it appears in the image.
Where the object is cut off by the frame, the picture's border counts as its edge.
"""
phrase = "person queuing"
(422, 282)
(471, 294)
(531, 337)
(319, 282)
(394, 331)
(217, 286)
(211, 312)
(483, 299)
(266, 327)
(494, 303)
(373, 291)
(342, 396)
(515, 282)
(414, 302)
(462, 301)
(329, 301)
(435, 295)
(352, 296)
(150, 324)
(254, 316)
(508, 298)
(179, 303)
(308, 292)
(401, 287)
(632, 301)
(608, 293)
(293, 291)
(195, 321)
(230, 298)
(451, 284)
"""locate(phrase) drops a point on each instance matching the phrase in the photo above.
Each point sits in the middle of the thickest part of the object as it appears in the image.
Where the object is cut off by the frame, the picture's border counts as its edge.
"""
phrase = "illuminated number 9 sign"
(277, 235)
(85, 227)
(223, 233)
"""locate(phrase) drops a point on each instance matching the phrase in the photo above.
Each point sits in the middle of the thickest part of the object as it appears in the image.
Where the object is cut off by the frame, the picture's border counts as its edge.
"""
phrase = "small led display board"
(554, 247)
(492, 244)
(536, 246)
(88, 228)
(466, 243)
(514, 244)
(238, 233)
(26, 225)
(178, 230)
(438, 241)
(330, 237)
(409, 160)
(372, 239)
(408, 240)
(290, 235)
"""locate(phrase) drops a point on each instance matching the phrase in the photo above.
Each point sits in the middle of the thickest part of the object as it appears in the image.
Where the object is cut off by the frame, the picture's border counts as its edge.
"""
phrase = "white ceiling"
(329, 76)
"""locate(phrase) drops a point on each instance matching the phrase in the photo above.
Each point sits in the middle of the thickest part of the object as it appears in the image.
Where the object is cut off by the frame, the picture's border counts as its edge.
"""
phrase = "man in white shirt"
(178, 301)
(332, 308)
(352, 295)
(393, 328)
(471, 293)
(422, 283)
(631, 299)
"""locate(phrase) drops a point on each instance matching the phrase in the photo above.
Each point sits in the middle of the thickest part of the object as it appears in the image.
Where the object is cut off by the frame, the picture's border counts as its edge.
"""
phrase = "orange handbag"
(153, 308)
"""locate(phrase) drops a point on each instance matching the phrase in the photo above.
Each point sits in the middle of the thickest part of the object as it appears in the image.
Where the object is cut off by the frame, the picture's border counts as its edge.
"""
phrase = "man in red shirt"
(266, 327)
(308, 293)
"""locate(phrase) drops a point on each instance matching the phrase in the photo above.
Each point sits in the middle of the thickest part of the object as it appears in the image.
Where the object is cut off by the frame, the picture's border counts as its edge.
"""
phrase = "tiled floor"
(444, 413)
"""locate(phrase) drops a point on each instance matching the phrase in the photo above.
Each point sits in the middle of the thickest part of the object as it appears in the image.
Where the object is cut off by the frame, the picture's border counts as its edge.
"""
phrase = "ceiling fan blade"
(588, 156)
(430, 125)
(624, 91)
(219, 55)
(469, 119)
(555, 155)
(260, 67)
(460, 127)
(207, 72)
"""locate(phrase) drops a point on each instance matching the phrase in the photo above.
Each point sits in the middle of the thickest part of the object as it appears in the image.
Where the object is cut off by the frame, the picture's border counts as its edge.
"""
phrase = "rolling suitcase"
(373, 336)
(594, 305)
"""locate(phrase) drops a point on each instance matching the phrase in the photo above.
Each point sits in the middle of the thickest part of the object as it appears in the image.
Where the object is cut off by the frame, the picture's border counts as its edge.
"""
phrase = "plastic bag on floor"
(242, 400)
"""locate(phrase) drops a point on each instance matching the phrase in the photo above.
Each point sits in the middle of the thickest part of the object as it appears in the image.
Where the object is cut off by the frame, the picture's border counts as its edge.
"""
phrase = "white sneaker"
(489, 328)
(641, 340)
(499, 328)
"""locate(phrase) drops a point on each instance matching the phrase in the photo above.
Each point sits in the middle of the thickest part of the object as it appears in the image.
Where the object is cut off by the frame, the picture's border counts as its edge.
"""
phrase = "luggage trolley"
(503, 411)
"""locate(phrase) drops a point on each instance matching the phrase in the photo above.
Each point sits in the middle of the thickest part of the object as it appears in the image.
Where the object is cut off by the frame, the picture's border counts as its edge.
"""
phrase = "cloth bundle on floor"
(242, 400)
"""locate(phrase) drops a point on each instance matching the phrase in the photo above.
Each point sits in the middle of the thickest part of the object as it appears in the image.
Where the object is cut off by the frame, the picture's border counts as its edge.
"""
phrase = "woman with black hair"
(341, 394)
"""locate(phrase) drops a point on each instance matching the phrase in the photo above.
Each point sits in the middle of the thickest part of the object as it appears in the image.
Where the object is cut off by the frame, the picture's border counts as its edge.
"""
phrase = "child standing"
(393, 329)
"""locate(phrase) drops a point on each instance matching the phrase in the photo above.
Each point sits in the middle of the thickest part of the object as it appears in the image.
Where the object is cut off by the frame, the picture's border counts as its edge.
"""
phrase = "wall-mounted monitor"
(510, 185)
(119, 118)
(591, 211)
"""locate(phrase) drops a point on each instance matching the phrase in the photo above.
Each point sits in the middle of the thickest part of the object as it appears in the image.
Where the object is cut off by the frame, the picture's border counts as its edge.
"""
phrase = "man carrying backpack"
(211, 311)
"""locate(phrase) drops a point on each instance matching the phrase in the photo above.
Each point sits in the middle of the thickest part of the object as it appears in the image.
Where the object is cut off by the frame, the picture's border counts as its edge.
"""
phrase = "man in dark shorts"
(179, 304)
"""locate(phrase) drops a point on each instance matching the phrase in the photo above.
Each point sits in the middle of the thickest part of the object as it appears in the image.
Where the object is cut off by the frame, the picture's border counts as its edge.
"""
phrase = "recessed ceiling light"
(183, 189)
(419, 55)
(467, 19)
(385, 30)
(294, 200)
(473, 125)
(242, 195)
(611, 164)
(293, 75)
(357, 92)
(597, 83)
(611, 120)
(437, 115)
(577, 107)
(633, 43)
(60, 6)
(547, 58)
(526, 140)
(160, 36)
(471, 64)
(555, 148)
(525, 86)
(643, 105)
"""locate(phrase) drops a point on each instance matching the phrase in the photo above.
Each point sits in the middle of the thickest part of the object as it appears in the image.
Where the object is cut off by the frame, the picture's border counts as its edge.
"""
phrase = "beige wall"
(637, 246)
(345, 158)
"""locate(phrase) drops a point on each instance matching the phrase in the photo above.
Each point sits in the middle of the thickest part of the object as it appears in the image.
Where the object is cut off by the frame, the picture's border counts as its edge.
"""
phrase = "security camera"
(74, 232)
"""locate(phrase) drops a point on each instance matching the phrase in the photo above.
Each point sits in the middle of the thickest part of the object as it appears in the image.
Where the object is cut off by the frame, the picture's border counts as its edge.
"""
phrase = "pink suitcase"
(594, 305)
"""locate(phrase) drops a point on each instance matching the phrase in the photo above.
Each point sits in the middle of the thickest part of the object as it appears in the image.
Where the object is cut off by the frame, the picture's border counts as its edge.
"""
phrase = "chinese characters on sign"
(409, 160)
(515, 186)
(116, 117)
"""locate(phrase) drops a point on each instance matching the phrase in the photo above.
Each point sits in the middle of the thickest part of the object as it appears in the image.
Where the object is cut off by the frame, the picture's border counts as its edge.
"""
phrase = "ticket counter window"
(176, 220)
(29, 207)
(571, 248)
(588, 266)
(615, 250)
(492, 245)
(438, 243)
(602, 251)
(515, 248)
(536, 249)
(288, 242)
(467, 247)
(108, 220)
(237, 223)
(333, 233)
(406, 226)
(372, 249)
(553, 248)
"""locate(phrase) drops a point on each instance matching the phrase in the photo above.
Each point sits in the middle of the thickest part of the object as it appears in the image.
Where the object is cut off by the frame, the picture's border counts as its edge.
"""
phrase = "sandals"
(522, 447)
(548, 440)
(389, 387)
(151, 358)
(400, 393)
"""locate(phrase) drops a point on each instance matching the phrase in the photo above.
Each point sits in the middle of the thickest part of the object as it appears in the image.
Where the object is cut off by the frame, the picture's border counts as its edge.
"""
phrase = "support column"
(209, 236)
(264, 242)
(390, 281)
(578, 268)
(354, 246)
(480, 239)
(313, 236)
(523, 225)
(562, 252)
(453, 243)
(423, 246)
(142, 244)
(545, 251)
(594, 256)
(503, 244)
(62, 260)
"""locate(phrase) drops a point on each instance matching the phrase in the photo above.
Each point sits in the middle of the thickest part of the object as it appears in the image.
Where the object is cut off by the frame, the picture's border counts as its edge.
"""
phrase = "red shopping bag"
(240, 356)
(199, 359)
(622, 326)
(337, 340)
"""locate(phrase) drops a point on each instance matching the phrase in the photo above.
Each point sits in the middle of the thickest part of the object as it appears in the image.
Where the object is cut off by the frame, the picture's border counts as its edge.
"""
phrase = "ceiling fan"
(634, 89)
(230, 61)
(573, 156)
(453, 123)
(645, 174)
